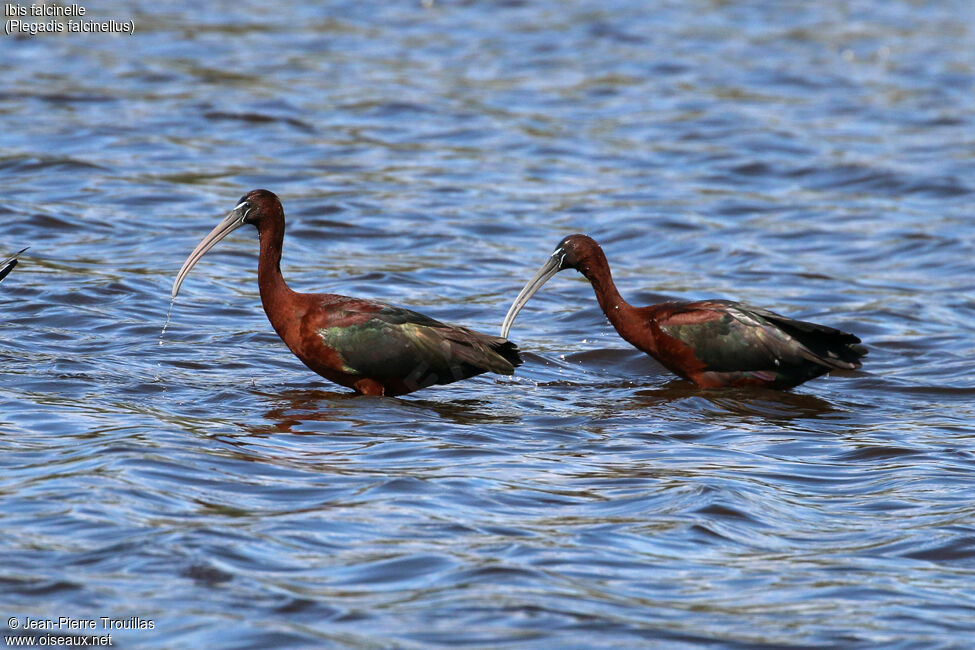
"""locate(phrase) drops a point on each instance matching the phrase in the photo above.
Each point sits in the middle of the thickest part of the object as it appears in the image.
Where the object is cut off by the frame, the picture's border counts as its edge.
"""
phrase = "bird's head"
(255, 207)
(573, 252)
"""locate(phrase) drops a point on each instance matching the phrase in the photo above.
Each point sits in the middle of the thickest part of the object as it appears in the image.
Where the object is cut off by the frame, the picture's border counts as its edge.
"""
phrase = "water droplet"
(166, 324)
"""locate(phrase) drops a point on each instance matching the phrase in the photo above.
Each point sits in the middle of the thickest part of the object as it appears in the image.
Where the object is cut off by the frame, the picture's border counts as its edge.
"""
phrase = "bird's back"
(396, 347)
(720, 343)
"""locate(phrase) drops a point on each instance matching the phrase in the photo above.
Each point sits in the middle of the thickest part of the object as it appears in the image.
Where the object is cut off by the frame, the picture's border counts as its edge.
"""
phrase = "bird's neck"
(619, 312)
(276, 296)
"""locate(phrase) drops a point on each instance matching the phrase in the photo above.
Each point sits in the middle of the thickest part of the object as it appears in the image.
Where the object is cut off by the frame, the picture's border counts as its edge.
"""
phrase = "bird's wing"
(7, 265)
(393, 342)
(727, 337)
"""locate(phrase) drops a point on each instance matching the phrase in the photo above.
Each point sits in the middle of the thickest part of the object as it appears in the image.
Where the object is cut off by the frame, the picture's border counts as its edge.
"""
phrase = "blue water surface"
(817, 159)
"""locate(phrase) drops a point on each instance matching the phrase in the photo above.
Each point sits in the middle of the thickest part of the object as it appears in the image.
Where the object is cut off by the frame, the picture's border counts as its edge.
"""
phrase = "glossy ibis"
(7, 265)
(366, 345)
(712, 343)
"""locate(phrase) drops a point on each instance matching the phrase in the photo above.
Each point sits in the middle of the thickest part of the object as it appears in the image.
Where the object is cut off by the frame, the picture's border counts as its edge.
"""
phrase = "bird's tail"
(825, 345)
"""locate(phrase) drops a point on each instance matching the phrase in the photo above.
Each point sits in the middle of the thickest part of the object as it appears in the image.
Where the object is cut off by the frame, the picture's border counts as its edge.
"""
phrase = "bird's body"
(712, 343)
(716, 343)
(369, 346)
(380, 349)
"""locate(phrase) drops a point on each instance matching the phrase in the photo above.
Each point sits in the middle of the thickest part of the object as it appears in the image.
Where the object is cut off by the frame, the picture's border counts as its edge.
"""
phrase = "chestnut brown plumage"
(712, 343)
(366, 345)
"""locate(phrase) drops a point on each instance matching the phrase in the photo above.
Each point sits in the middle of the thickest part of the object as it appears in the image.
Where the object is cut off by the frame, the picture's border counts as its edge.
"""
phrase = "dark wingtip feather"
(484, 352)
(6, 267)
(843, 351)
(825, 345)
(851, 354)
(509, 351)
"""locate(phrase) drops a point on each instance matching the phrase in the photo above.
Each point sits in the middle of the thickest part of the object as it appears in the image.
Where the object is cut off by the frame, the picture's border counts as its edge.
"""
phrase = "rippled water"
(814, 158)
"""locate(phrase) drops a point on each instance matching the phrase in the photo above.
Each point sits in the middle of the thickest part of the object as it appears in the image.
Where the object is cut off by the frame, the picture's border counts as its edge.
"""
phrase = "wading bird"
(8, 264)
(369, 346)
(712, 343)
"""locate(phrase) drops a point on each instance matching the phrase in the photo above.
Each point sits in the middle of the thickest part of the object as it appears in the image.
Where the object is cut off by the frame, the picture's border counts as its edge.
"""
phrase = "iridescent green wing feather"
(733, 337)
(395, 343)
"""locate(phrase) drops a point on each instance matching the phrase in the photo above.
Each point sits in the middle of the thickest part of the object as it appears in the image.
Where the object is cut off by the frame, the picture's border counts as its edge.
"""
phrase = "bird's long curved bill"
(552, 266)
(231, 222)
